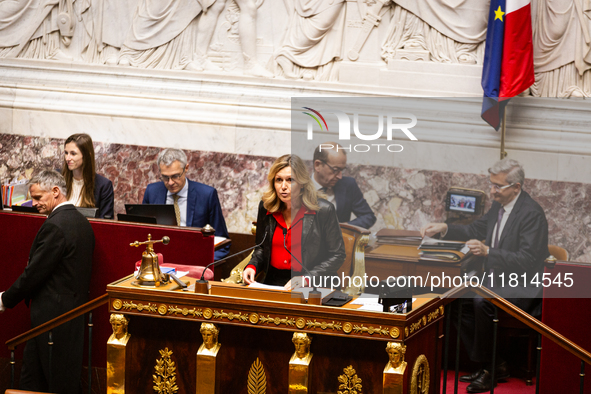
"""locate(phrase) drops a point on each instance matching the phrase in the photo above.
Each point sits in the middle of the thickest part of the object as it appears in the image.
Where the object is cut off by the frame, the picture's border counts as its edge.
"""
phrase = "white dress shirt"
(183, 194)
(508, 209)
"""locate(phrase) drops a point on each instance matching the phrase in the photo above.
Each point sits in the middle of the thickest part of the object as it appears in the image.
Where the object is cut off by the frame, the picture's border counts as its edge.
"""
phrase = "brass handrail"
(50, 325)
(523, 317)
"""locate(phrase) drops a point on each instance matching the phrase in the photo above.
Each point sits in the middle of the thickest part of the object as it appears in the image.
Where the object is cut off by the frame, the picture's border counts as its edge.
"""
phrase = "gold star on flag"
(499, 14)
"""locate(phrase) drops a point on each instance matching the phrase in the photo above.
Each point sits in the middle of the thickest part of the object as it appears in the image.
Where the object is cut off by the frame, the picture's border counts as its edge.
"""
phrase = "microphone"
(201, 284)
(315, 296)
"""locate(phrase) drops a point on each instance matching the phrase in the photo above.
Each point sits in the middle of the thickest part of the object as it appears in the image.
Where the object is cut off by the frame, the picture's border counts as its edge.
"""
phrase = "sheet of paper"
(217, 240)
(365, 299)
(371, 307)
(257, 285)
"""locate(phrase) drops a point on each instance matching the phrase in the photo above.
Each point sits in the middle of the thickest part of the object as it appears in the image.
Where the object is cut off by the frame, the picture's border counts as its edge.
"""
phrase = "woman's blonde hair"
(299, 173)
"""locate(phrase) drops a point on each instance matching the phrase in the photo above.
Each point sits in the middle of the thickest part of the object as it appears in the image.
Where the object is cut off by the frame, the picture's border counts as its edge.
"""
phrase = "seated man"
(195, 204)
(340, 190)
(515, 231)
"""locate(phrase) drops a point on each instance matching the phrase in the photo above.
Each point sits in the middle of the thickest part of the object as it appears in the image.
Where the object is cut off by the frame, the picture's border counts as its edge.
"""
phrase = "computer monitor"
(164, 213)
(122, 217)
(24, 208)
(87, 212)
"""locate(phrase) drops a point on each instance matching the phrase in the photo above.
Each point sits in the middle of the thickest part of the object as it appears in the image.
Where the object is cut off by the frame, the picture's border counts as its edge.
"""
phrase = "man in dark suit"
(55, 281)
(515, 231)
(340, 190)
(195, 204)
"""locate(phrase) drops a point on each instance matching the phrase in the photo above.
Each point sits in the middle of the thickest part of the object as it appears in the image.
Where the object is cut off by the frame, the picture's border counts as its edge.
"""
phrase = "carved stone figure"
(396, 352)
(210, 334)
(313, 41)
(106, 23)
(167, 34)
(119, 324)
(436, 30)
(302, 342)
(562, 48)
(33, 28)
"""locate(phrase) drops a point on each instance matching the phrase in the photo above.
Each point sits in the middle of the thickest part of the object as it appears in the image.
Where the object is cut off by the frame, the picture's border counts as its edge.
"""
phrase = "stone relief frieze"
(293, 39)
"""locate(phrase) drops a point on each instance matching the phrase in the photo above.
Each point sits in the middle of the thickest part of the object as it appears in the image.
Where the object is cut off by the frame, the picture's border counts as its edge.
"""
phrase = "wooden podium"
(395, 260)
(255, 346)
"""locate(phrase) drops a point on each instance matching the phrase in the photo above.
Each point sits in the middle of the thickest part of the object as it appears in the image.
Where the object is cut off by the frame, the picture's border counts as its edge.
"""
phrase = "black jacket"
(56, 280)
(349, 199)
(104, 198)
(523, 245)
(323, 250)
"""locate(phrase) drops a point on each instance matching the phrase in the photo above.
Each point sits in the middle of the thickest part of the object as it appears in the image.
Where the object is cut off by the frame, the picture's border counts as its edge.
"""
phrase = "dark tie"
(498, 229)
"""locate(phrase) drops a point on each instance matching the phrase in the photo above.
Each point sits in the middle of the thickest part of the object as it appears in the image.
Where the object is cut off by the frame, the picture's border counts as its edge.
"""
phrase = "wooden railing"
(58, 321)
(50, 325)
(523, 317)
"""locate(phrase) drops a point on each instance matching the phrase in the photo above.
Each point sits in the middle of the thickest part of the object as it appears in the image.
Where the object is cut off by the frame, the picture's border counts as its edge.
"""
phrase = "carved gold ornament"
(253, 318)
(162, 309)
(371, 330)
(277, 321)
(165, 374)
(229, 315)
(257, 380)
(350, 383)
(149, 307)
(300, 323)
(347, 328)
(117, 304)
(394, 332)
(324, 325)
(420, 379)
(173, 310)
(207, 313)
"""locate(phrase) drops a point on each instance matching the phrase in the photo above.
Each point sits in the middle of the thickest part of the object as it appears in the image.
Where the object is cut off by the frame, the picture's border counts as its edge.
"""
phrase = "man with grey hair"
(515, 231)
(195, 204)
(55, 281)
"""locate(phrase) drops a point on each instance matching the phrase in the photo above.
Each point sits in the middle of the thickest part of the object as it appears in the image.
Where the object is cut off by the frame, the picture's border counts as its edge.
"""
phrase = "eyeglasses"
(498, 188)
(175, 177)
(335, 170)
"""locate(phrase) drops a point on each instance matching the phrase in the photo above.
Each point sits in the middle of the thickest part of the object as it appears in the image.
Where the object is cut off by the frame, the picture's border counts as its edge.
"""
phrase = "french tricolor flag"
(508, 57)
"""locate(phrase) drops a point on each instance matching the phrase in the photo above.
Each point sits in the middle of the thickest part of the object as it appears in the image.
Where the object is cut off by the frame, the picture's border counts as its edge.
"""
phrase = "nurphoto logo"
(393, 122)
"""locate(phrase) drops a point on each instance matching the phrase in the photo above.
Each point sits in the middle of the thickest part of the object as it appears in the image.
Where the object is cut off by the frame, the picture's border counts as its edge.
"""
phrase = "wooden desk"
(393, 260)
(252, 329)
(113, 258)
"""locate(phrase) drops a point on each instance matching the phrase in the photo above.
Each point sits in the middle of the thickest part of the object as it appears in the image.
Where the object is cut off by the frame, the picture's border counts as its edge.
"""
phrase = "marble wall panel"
(400, 197)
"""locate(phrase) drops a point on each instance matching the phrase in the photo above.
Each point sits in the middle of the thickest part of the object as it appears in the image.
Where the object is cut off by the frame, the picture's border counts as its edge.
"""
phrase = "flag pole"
(504, 121)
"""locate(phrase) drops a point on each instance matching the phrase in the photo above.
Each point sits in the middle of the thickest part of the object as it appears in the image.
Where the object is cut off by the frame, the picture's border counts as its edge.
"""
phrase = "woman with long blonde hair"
(294, 221)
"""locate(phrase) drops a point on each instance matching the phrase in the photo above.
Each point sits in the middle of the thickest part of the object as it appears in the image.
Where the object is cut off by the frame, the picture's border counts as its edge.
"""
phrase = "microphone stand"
(201, 285)
(315, 296)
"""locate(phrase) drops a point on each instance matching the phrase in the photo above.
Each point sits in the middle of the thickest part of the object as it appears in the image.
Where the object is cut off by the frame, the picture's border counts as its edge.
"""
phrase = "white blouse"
(76, 196)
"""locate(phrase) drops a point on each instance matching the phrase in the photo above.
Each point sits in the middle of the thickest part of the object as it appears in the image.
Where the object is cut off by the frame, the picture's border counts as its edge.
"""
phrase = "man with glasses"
(515, 234)
(342, 191)
(195, 204)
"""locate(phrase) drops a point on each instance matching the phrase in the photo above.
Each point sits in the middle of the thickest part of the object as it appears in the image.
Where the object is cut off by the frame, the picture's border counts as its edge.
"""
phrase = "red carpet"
(510, 386)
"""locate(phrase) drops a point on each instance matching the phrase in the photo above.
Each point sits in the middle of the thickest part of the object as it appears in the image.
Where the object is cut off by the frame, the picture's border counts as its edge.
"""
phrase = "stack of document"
(439, 250)
(15, 192)
(388, 236)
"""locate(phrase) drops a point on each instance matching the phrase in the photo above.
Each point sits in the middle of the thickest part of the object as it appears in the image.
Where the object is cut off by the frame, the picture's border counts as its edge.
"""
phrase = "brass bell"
(149, 273)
